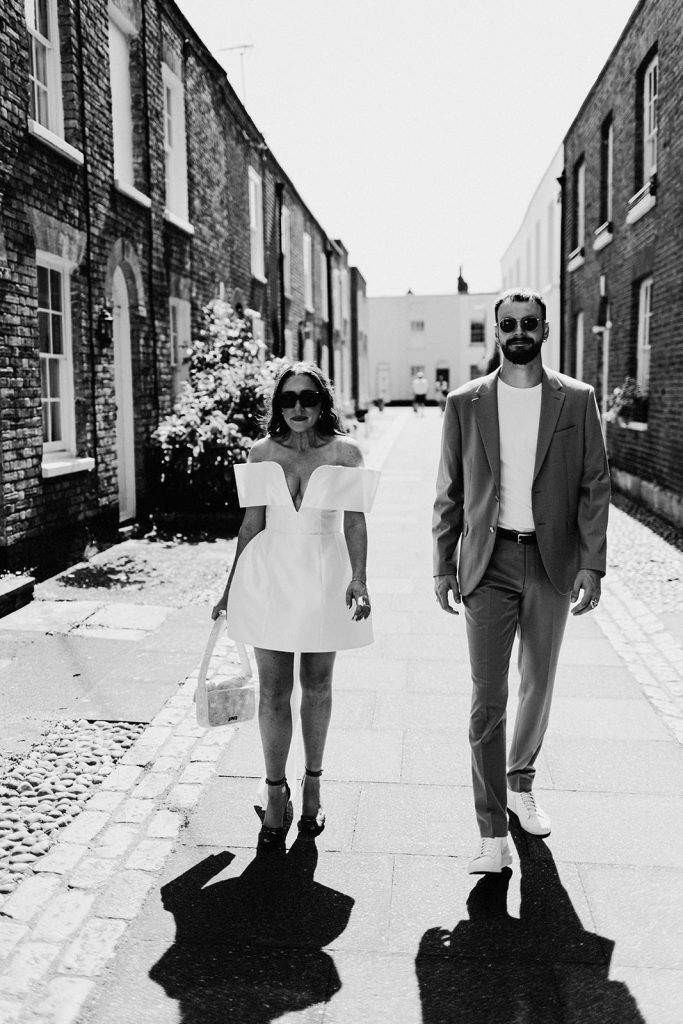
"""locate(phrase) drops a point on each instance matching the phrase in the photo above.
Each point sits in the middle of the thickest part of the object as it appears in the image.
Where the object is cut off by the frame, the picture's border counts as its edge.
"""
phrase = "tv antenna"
(241, 49)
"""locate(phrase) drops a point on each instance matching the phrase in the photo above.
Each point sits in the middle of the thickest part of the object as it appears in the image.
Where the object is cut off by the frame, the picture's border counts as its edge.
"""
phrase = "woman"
(295, 577)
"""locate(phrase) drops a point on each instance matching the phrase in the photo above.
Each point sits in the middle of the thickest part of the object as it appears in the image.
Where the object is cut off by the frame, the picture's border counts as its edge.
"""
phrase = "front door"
(123, 383)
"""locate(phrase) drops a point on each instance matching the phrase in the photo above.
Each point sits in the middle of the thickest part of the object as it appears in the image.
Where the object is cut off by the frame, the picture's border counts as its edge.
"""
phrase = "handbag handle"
(216, 631)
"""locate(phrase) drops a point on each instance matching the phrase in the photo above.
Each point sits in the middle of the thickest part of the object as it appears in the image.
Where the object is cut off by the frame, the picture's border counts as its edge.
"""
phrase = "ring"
(594, 603)
(362, 599)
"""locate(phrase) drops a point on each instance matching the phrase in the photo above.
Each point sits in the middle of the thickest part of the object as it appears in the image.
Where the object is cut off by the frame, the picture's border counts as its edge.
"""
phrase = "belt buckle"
(521, 537)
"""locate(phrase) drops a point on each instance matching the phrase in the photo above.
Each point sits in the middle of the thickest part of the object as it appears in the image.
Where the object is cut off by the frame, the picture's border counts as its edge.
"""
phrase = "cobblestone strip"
(652, 655)
(61, 925)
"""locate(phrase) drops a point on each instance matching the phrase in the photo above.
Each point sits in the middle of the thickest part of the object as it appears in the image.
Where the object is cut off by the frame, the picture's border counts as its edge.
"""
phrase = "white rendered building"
(448, 337)
(532, 258)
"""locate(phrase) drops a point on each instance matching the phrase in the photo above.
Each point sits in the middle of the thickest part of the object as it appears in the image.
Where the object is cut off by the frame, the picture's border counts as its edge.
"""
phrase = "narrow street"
(148, 905)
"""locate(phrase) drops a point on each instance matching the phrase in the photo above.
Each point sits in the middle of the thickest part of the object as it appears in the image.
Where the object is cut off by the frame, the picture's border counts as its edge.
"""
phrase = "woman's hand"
(358, 592)
(221, 607)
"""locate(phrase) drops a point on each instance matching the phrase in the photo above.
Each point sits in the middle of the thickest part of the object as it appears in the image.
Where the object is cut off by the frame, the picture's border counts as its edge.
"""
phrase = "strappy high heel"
(311, 825)
(274, 838)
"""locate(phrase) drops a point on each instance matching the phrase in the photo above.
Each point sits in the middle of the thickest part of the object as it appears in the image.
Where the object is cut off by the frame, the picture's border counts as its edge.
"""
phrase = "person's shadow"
(249, 949)
(544, 968)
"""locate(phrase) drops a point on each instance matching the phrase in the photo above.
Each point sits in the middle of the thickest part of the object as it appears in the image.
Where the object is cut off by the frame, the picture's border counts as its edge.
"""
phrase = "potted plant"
(627, 404)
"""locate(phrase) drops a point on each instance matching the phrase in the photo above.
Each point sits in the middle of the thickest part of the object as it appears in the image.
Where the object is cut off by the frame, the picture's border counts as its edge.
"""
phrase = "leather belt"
(519, 538)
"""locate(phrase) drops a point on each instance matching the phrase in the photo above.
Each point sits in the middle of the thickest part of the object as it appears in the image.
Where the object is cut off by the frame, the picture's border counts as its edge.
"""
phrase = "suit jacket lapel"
(485, 405)
(552, 400)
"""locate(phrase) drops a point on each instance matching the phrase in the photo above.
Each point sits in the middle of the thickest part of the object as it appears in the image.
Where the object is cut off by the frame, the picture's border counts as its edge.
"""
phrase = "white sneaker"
(532, 818)
(492, 855)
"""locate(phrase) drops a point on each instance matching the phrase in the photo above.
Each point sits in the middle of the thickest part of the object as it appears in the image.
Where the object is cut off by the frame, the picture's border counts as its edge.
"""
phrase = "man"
(420, 389)
(523, 492)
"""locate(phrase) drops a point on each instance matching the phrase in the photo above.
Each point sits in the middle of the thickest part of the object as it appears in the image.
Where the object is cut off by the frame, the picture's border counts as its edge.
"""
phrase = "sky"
(416, 132)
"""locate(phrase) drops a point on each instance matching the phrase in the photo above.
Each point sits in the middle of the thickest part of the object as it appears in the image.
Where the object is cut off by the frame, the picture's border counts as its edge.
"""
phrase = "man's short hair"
(519, 295)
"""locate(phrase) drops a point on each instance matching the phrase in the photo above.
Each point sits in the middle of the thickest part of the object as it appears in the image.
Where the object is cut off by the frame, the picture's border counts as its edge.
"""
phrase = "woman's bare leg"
(275, 670)
(316, 709)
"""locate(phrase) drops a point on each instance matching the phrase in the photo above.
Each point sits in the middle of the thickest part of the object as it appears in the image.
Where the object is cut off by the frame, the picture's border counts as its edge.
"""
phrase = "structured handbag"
(226, 690)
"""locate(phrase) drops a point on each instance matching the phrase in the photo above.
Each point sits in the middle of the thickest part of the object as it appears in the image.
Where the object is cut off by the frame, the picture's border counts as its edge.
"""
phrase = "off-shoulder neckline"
(272, 462)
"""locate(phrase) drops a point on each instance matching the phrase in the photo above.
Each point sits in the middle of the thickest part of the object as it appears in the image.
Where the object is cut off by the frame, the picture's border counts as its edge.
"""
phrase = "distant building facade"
(447, 337)
(533, 256)
(135, 188)
(621, 259)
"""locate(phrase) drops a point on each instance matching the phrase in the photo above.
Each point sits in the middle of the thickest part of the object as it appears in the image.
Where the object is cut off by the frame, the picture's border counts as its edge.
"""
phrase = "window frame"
(257, 246)
(53, 67)
(286, 249)
(607, 170)
(579, 206)
(324, 300)
(643, 342)
(175, 144)
(123, 133)
(307, 249)
(649, 115)
(67, 445)
(579, 344)
(477, 324)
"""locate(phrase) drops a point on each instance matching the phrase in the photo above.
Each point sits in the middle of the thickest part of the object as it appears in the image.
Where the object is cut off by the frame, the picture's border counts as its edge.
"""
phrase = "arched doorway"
(123, 384)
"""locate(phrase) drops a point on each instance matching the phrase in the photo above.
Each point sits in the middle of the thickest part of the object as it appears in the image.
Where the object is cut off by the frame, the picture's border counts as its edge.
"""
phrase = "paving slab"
(615, 766)
(50, 616)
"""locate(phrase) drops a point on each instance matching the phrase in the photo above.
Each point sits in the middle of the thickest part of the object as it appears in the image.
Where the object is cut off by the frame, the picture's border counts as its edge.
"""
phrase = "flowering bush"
(627, 403)
(216, 417)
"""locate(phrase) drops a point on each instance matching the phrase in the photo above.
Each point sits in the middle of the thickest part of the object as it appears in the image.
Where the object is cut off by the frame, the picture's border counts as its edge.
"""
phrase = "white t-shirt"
(420, 386)
(519, 412)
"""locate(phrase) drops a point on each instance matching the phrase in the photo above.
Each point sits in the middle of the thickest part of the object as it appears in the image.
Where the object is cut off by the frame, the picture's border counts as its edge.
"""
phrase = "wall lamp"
(105, 326)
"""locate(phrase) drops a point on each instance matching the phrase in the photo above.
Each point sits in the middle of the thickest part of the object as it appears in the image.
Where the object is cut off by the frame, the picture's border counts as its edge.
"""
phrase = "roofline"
(589, 95)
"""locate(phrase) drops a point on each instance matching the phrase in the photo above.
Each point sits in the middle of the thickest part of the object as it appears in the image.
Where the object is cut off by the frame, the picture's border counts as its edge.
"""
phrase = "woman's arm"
(254, 521)
(356, 534)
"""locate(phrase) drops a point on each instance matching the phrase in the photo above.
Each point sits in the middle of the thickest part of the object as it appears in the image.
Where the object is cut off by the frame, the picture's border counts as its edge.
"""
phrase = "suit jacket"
(570, 491)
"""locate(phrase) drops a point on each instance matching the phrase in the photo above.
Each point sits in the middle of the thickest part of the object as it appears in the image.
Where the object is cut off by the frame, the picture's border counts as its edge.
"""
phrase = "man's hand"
(445, 585)
(587, 580)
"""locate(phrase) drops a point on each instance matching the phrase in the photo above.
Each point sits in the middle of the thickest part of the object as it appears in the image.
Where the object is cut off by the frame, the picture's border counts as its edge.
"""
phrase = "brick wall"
(55, 201)
(648, 246)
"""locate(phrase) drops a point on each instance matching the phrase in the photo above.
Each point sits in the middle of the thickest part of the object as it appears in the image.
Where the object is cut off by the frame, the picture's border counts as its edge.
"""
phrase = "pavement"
(152, 907)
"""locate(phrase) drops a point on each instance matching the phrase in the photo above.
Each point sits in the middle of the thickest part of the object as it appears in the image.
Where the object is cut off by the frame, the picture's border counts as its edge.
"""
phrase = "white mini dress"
(288, 591)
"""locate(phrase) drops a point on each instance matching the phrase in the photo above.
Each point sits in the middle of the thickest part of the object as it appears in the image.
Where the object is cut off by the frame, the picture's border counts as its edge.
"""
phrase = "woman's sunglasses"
(306, 399)
(528, 323)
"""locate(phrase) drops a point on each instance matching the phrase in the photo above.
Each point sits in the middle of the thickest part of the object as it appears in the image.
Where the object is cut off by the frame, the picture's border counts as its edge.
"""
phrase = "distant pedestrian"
(441, 394)
(420, 389)
(294, 578)
(523, 498)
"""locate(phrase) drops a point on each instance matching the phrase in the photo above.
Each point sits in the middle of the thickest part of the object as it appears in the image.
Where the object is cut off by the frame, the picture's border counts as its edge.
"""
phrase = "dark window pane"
(46, 422)
(56, 420)
(43, 288)
(44, 331)
(57, 346)
(42, 18)
(56, 289)
(55, 390)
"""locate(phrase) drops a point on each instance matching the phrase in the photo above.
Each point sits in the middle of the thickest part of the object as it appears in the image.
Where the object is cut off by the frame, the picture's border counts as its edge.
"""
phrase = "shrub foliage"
(217, 415)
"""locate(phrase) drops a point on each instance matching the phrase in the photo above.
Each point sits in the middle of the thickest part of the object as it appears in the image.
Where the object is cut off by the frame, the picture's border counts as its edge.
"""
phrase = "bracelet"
(358, 579)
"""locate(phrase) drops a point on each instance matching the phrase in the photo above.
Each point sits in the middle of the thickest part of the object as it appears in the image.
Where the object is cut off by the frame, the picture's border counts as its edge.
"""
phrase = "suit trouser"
(515, 595)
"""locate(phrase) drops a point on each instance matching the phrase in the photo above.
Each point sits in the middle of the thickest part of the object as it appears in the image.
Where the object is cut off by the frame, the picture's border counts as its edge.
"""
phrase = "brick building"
(621, 252)
(134, 187)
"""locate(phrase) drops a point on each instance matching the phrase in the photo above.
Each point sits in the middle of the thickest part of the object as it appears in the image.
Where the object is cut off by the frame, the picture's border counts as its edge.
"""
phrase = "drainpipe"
(150, 217)
(561, 181)
(330, 315)
(88, 246)
(282, 311)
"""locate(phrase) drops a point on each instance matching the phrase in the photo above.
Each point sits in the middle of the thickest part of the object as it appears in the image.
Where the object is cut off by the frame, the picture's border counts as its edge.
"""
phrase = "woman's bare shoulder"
(347, 452)
(261, 450)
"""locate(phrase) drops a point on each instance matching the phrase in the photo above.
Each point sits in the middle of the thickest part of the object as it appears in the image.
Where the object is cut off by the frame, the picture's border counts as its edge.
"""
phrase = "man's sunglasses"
(306, 399)
(528, 323)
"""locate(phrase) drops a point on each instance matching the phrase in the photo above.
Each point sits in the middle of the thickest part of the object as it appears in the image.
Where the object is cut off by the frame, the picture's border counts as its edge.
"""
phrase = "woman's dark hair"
(328, 422)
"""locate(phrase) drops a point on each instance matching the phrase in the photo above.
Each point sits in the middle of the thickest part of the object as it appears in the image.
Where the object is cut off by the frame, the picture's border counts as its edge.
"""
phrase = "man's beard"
(521, 354)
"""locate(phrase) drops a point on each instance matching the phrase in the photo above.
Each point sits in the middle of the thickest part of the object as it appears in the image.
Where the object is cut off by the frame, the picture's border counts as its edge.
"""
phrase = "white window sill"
(640, 207)
(38, 131)
(133, 193)
(259, 278)
(602, 236)
(643, 201)
(577, 258)
(633, 425)
(65, 465)
(178, 222)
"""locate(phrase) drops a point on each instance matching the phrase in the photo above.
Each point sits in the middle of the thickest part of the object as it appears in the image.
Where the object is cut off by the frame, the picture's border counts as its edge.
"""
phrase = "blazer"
(570, 492)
